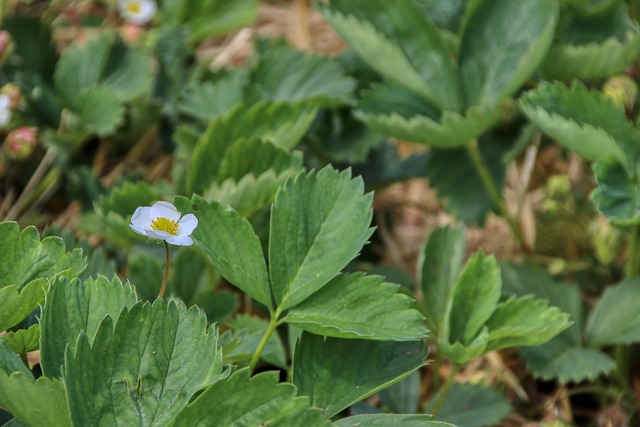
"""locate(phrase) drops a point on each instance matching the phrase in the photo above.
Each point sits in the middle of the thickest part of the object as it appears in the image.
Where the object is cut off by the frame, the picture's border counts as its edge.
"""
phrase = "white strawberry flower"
(5, 110)
(163, 221)
(138, 12)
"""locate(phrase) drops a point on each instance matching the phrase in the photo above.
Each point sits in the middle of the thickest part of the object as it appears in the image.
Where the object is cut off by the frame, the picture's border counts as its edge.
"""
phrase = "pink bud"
(20, 142)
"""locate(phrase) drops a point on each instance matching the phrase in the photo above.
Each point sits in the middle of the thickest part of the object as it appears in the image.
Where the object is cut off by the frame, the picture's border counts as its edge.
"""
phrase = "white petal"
(159, 234)
(187, 224)
(138, 229)
(5, 102)
(142, 218)
(5, 117)
(164, 210)
(180, 240)
(146, 12)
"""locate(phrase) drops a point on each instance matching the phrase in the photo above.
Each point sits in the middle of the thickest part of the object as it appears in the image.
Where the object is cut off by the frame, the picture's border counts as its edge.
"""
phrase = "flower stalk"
(163, 287)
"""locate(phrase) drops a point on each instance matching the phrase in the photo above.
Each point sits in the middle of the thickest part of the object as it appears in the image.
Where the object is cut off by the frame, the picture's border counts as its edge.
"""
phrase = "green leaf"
(475, 298)
(453, 130)
(146, 271)
(403, 397)
(392, 38)
(250, 401)
(617, 195)
(106, 61)
(125, 198)
(233, 247)
(191, 274)
(502, 45)
(75, 306)
(615, 318)
(565, 362)
(249, 194)
(16, 304)
(25, 258)
(336, 373)
(472, 405)
(524, 321)
(286, 74)
(24, 340)
(250, 330)
(99, 109)
(386, 420)
(591, 61)
(585, 121)
(281, 123)
(359, 306)
(141, 368)
(218, 305)
(205, 101)
(319, 223)
(34, 49)
(10, 362)
(256, 156)
(34, 403)
(442, 260)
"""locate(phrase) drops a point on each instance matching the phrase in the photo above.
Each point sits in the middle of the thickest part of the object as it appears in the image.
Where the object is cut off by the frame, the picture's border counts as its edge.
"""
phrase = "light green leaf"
(399, 41)
(359, 306)
(442, 260)
(617, 195)
(583, 120)
(475, 298)
(453, 129)
(286, 74)
(472, 405)
(103, 60)
(460, 353)
(319, 222)
(502, 45)
(75, 306)
(25, 258)
(386, 420)
(125, 198)
(336, 373)
(615, 319)
(16, 304)
(34, 403)
(233, 247)
(24, 340)
(145, 367)
(524, 321)
(256, 156)
(99, 109)
(10, 362)
(249, 194)
(257, 401)
(591, 61)
(281, 123)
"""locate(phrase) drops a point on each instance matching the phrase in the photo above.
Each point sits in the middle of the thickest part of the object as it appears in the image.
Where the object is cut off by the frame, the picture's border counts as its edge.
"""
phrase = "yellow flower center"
(165, 224)
(133, 8)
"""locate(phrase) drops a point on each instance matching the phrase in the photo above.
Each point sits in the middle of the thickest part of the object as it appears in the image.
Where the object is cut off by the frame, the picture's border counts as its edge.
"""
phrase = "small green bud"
(623, 90)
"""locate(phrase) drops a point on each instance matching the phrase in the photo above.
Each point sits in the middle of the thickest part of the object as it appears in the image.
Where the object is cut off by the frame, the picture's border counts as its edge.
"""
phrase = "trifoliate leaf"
(319, 222)
(359, 306)
(145, 367)
(205, 101)
(75, 306)
(615, 318)
(336, 373)
(251, 401)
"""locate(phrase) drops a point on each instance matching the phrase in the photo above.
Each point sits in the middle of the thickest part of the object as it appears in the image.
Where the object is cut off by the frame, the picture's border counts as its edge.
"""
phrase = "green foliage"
(472, 405)
(23, 341)
(335, 373)
(155, 377)
(382, 420)
(244, 401)
(16, 304)
(615, 319)
(75, 306)
(368, 308)
(617, 193)
(310, 246)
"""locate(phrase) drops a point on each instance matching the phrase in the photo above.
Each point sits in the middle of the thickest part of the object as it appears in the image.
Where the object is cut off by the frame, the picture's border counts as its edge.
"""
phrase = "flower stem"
(488, 183)
(273, 324)
(445, 391)
(166, 270)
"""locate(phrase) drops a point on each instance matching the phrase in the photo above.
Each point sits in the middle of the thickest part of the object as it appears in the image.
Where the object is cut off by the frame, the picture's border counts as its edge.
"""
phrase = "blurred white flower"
(5, 110)
(162, 221)
(138, 12)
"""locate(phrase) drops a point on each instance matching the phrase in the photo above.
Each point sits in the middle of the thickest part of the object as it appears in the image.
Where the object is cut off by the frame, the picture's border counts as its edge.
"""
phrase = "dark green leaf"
(403, 397)
(244, 401)
(336, 373)
(75, 306)
(207, 100)
(34, 49)
(359, 306)
(386, 420)
(141, 368)
(319, 223)
(10, 362)
(124, 199)
(617, 195)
